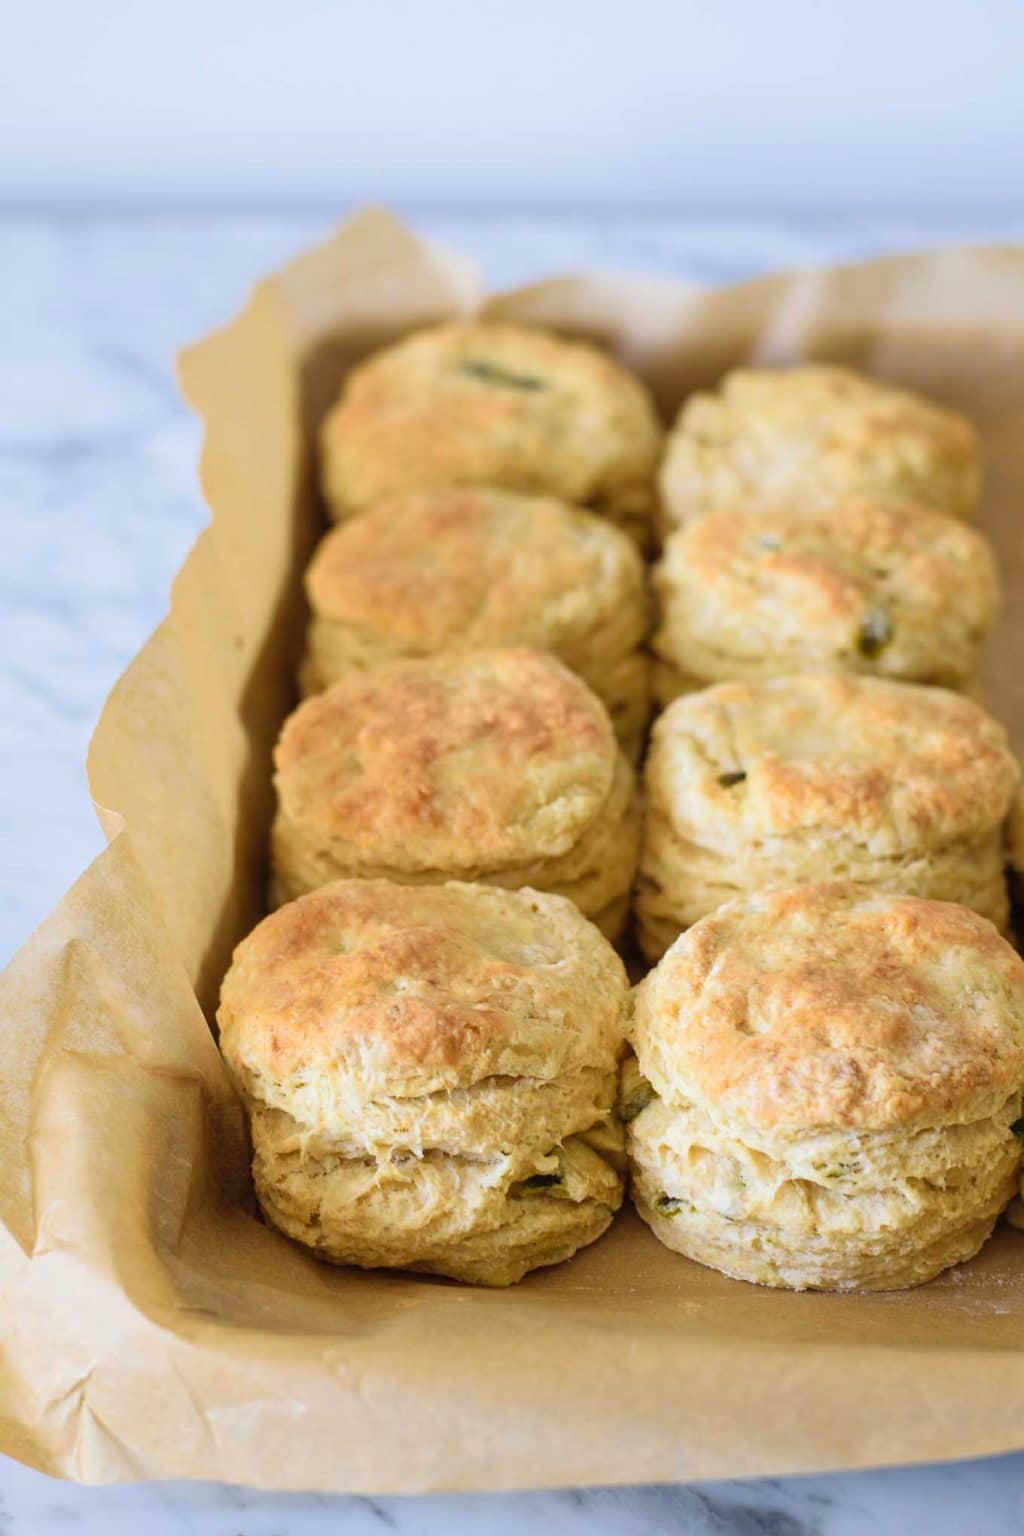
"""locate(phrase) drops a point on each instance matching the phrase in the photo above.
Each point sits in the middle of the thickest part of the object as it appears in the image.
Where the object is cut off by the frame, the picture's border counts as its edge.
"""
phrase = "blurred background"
(797, 107)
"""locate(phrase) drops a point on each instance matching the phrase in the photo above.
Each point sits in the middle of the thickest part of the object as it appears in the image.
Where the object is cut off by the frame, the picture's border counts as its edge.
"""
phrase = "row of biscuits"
(429, 1030)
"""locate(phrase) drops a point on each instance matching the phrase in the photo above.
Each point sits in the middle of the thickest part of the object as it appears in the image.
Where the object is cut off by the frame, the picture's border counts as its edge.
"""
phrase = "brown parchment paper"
(150, 1326)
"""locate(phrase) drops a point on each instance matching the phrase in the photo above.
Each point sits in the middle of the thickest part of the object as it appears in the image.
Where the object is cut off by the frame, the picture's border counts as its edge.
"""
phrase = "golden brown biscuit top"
(463, 566)
(899, 765)
(416, 989)
(846, 572)
(489, 404)
(836, 1005)
(805, 431)
(468, 762)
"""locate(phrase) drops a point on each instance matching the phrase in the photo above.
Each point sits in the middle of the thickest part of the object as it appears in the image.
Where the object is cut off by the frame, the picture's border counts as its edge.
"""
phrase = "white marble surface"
(98, 504)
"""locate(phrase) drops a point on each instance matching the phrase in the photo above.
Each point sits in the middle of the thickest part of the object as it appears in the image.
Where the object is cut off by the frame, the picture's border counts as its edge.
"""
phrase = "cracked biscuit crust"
(366, 988)
(495, 765)
(834, 1005)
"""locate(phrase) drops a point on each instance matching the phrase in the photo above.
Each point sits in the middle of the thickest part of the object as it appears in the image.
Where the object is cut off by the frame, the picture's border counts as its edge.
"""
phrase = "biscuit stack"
(468, 568)
(430, 1074)
(826, 1085)
(809, 777)
(493, 766)
(828, 1090)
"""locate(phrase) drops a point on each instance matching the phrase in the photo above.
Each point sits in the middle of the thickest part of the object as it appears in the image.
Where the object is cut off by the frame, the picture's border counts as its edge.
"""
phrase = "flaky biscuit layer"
(485, 1219)
(836, 1210)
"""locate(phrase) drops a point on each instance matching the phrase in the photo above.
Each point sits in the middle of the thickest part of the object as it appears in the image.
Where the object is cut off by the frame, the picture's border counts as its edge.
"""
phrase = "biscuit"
(797, 435)
(484, 404)
(854, 586)
(827, 1093)
(493, 766)
(463, 568)
(749, 785)
(431, 1075)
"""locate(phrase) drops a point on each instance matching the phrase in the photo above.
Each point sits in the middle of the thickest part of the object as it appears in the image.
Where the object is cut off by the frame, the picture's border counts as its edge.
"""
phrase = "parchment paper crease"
(150, 1326)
